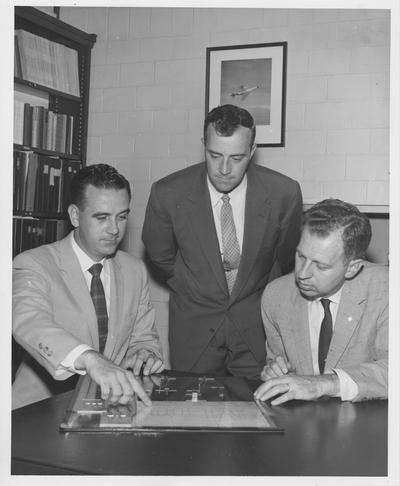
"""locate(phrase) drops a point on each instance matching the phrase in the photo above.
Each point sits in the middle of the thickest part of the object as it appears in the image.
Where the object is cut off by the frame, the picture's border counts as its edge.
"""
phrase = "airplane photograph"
(247, 83)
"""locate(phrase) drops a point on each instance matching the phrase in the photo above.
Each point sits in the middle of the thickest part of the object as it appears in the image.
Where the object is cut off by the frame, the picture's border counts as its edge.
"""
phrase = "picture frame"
(251, 76)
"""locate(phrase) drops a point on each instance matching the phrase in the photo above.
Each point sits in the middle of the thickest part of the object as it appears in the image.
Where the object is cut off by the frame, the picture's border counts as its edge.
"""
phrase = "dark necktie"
(230, 244)
(99, 302)
(325, 335)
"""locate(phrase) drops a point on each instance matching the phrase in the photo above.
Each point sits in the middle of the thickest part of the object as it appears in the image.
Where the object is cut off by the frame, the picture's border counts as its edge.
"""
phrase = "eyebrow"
(100, 213)
(230, 155)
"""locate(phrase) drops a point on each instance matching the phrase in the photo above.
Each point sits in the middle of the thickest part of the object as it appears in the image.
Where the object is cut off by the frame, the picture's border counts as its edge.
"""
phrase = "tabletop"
(322, 438)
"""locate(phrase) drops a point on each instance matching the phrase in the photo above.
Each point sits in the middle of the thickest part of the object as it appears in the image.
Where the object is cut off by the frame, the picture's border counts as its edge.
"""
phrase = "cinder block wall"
(148, 90)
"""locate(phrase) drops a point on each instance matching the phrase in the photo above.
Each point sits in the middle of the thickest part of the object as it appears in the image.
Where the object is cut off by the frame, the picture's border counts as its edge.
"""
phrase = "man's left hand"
(291, 387)
(151, 363)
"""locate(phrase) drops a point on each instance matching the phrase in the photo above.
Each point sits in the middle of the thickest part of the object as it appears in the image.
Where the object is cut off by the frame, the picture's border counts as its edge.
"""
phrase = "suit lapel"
(347, 318)
(201, 220)
(301, 331)
(257, 213)
(75, 282)
(116, 303)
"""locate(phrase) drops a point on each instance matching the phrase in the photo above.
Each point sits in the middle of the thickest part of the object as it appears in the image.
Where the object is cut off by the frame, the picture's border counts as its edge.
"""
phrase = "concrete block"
(155, 49)
(161, 21)
(161, 167)
(104, 123)
(324, 168)
(119, 99)
(329, 61)
(367, 167)
(237, 19)
(312, 37)
(190, 47)
(364, 33)
(187, 145)
(138, 169)
(95, 101)
(93, 149)
(292, 166)
(349, 86)
(312, 192)
(116, 146)
(182, 21)
(139, 22)
(171, 120)
(303, 89)
(300, 16)
(97, 22)
(295, 116)
(138, 73)
(105, 76)
(297, 62)
(354, 192)
(122, 51)
(275, 17)
(379, 141)
(305, 142)
(264, 35)
(179, 71)
(151, 145)
(133, 122)
(380, 85)
(370, 59)
(231, 38)
(378, 192)
(348, 141)
(118, 23)
(196, 120)
(99, 53)
(153, 97)
(188, 95)
(75, 16)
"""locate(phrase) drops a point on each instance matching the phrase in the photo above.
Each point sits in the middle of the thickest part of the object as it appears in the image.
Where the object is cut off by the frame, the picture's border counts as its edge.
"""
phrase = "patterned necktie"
(230, 244)
(99, 302)
(325, 335)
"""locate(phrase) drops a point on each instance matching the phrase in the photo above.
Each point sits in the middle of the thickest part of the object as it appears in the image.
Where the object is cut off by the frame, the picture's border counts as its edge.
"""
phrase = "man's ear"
(353, 268)
(253, 149)
(73, 212)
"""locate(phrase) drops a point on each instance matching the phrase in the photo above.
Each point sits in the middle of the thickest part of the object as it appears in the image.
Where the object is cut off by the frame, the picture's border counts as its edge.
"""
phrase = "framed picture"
(253, 77)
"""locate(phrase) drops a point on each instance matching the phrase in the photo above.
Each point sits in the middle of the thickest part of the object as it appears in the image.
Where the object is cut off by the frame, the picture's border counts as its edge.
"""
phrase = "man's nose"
(113, 227)
(304, 271)
(225, 166)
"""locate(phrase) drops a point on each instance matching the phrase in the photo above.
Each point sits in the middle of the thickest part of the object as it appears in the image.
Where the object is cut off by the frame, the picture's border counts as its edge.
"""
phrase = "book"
(18, 136)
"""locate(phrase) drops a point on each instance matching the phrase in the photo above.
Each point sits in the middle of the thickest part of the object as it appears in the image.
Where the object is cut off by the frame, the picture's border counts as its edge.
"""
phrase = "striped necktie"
(99, 302)
(230, 244)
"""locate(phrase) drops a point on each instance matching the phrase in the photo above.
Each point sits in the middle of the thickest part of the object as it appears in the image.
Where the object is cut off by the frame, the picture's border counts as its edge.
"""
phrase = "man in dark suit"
(327, 323)
(72, 320)
(216, 254)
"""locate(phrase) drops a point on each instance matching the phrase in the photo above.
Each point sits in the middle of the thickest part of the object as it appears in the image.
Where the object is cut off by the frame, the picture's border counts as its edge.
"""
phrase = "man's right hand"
(117, 385)
(276, 367)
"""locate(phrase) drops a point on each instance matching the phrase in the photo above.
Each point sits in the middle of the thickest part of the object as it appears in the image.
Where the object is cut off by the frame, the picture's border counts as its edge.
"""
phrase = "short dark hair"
(331, 214)
(226, 119)
(98, 175)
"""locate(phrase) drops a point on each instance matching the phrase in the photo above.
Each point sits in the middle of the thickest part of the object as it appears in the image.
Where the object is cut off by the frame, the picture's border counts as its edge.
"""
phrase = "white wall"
(148, 91)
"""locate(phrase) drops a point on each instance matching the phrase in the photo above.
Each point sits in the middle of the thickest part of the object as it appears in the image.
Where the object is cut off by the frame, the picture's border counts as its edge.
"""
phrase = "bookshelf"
(51, 102)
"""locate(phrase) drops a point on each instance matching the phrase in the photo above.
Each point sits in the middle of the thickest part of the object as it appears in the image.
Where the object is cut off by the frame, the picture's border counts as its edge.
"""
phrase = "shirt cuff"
(67, 364)
(348, 387)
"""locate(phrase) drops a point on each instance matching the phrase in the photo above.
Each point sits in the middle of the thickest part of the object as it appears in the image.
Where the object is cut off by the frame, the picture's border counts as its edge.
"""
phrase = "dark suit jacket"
(53, 313)
(359, 343)
(181, 241)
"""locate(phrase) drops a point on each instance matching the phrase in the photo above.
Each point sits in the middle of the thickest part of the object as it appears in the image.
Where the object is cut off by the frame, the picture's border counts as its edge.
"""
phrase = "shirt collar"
(335, 298)
(238, 193)
(84, 260)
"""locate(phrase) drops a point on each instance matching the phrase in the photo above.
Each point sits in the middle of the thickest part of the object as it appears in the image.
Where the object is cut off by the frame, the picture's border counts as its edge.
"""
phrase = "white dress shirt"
(348, 387)
(85, 262)
(238, 203)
